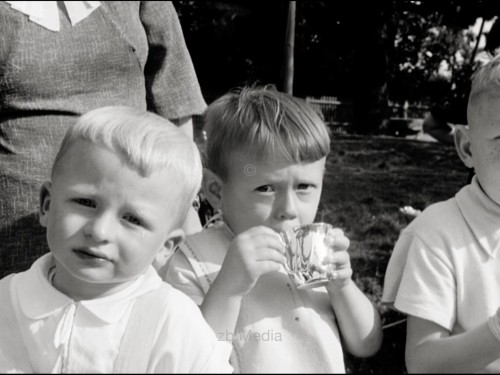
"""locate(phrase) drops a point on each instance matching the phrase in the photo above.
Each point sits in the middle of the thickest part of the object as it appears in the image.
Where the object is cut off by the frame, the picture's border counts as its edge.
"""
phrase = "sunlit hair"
(485, 81)
(263, 121)
(146, 141)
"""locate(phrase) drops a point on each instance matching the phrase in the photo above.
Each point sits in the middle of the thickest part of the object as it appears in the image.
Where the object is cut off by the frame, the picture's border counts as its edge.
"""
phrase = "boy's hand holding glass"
(339, 265)
(311, 255)
(251, 254)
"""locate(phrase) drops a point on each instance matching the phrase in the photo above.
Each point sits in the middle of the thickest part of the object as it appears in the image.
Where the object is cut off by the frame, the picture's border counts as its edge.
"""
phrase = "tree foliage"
(368, 52)
(433, 47)
(233, 43)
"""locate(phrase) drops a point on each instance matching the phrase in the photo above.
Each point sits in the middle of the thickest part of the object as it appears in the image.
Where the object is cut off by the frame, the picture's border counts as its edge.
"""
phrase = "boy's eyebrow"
(300, 179)
(83, 189)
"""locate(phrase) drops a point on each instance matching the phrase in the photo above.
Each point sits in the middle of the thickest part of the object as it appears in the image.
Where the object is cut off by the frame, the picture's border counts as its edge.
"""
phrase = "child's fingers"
(341, 243)
(337, 240)
(343, 273)
(269, 266)
(336, 232)
(274, 239)
(331, 235)
(264, 237)
(339, 258)
(266, 254)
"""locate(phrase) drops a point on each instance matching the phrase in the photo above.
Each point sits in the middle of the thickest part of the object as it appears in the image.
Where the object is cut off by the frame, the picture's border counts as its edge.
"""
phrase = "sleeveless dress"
(124, 53)
(280, 329)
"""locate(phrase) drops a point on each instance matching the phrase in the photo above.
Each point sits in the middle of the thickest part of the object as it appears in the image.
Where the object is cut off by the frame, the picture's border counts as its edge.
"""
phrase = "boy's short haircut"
(485, 81)
(147, 142)
(263, 121)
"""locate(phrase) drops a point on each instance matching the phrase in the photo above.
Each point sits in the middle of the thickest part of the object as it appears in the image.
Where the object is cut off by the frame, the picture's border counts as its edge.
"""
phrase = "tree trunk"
(289, 49)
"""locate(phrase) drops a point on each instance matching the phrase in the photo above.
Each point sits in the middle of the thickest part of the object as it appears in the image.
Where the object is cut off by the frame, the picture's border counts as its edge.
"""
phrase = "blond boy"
(120, 188)
(444, 271)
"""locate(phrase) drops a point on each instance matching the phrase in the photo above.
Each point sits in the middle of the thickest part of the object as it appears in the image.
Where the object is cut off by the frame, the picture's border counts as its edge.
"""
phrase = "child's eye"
(84, 202)
(132, 219)
(305, 187)
(265, 189)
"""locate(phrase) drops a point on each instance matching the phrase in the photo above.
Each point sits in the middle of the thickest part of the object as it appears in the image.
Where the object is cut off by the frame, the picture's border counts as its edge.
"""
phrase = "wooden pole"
(289, 49)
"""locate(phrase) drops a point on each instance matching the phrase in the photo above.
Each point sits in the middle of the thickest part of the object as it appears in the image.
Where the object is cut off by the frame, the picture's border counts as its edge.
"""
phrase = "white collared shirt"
(62, 335)
(90, 330)
(444, 267)
(46, 13)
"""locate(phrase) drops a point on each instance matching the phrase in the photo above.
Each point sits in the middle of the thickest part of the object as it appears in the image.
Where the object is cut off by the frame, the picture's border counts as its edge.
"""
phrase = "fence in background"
(339, 114)
(336, 114)
(406, 110)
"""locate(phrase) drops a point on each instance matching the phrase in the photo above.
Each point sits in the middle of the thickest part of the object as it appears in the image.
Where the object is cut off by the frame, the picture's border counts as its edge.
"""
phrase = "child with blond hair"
(266, 154)
(444, 270)
(120, 189)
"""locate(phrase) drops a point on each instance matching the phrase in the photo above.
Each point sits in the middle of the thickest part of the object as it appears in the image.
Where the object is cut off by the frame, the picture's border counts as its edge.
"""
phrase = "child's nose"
(287, 207)
(99, 227)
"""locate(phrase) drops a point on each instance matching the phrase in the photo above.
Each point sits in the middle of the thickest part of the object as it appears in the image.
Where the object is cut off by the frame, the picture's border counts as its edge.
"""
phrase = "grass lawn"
(368, 179)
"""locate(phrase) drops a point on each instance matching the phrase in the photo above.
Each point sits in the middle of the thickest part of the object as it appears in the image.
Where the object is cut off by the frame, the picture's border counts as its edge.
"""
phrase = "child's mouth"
(85, 253)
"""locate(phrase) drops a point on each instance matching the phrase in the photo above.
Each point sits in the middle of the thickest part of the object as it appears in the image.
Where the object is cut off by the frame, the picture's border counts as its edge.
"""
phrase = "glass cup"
(306, 248)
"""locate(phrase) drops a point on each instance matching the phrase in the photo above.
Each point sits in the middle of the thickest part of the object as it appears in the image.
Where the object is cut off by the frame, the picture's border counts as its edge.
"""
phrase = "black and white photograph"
(250, 187)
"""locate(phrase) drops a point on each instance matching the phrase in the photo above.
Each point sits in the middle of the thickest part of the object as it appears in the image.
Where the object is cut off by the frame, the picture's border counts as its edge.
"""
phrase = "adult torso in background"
(47, 79)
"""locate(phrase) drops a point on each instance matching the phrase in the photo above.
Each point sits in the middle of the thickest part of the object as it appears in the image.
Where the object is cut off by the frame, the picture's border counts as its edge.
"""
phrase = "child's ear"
(174, 239)
(462, 145)
(212, 186)
(44, 202)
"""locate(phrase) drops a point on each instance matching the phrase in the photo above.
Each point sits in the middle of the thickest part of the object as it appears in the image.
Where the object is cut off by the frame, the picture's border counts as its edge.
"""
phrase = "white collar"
(481, 214)
(39, 299)
(46, 13)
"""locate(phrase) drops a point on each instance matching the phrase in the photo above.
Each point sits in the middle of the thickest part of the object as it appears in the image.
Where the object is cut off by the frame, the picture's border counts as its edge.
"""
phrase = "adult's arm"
(172, 87)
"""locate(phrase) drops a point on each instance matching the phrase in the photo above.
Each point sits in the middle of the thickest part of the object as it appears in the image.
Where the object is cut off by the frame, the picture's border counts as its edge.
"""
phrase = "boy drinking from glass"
(266, 154)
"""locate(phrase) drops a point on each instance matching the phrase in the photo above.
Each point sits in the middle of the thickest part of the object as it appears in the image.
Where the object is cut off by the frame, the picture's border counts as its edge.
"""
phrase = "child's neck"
(79, 290)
